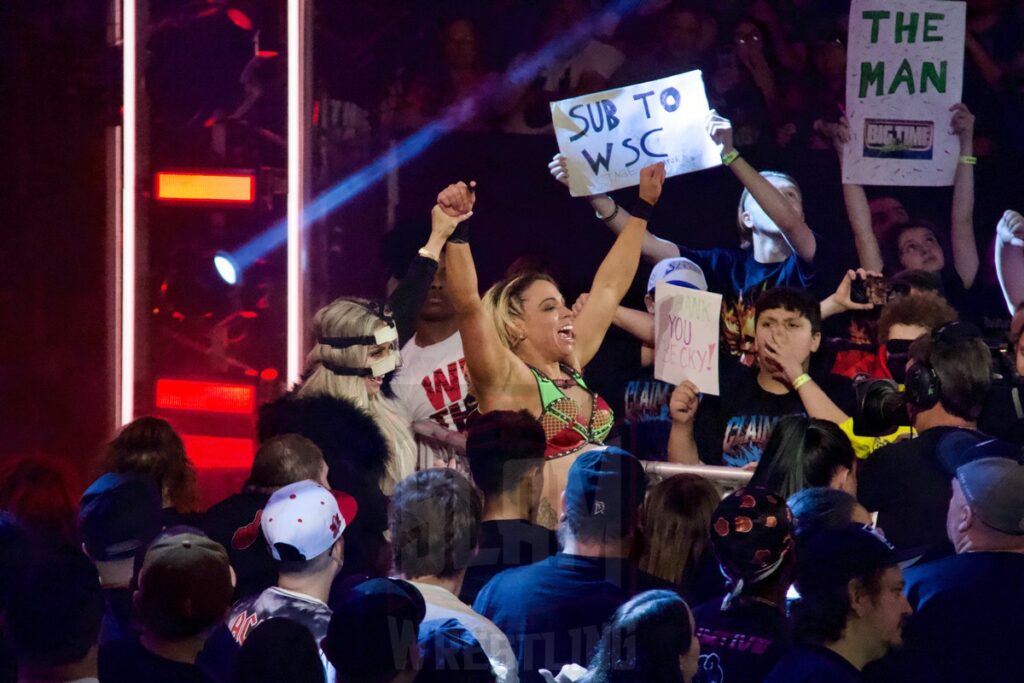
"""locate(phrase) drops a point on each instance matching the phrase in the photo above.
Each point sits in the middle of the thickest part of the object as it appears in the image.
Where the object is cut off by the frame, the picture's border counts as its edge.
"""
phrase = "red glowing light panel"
(231, 188)
(205, 397)
(219, 452)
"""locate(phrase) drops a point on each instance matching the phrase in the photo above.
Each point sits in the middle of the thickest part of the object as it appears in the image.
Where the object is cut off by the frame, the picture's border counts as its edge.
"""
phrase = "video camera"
(880, 407)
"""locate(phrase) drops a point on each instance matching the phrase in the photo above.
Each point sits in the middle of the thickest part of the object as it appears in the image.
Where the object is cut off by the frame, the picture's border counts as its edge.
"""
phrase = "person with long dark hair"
(802, 452)
(676, 523)
(650, 638)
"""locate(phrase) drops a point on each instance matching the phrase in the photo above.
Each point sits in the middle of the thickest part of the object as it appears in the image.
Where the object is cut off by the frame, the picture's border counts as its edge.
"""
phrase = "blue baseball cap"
(119, 515)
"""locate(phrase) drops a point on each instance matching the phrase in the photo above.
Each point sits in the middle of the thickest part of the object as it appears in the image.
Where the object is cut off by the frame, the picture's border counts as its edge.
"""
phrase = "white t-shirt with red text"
(432, 385)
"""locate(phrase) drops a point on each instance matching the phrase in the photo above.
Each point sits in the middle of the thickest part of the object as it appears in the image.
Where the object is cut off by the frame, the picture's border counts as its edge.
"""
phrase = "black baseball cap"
(830, 558)
(962, 446)
(373, 627)
(449, 652)
(606, 484)
(118, 516)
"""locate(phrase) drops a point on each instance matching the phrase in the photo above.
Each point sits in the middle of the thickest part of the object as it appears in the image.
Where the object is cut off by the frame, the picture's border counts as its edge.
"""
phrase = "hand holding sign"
(720, 130)
(962, 124)
(836, 133)
(559, 168)
(1010, 229)
(682, 405)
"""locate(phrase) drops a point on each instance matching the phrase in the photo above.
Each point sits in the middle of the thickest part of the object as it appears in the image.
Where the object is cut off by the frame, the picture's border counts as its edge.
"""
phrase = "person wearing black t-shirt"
(908, 483)
(185, 587)
(746, 634)
(777, 248)
(506, 458)
(851, 610)
(732, 428)
(965, 603)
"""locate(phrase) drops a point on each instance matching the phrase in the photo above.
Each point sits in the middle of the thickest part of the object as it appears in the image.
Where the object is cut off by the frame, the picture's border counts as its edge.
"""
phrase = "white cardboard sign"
(608, 136)
(904, 70)
(686, 336)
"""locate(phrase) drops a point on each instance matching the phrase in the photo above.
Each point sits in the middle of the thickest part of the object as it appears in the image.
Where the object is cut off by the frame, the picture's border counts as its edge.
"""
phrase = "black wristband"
(461, 233)
(643, 209)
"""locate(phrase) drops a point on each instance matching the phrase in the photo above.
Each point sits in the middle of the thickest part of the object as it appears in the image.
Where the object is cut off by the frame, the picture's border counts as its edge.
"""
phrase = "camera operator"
(908, 483)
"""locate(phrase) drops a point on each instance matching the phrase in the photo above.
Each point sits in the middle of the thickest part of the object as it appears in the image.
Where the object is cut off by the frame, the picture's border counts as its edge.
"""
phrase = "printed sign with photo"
(904, 71)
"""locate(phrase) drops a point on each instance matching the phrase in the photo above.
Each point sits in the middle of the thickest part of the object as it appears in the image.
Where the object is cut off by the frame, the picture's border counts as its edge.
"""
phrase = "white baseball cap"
(677, 271)
(300, 521)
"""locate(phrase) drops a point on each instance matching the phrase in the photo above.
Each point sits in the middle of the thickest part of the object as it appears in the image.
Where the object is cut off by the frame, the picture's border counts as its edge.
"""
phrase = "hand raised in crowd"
(581, 301)
(1010, 229)
(652, 179)
(682, 405)
(720, 130)
(454, 205)
(962, 124)
(457, 199)
(841, 299)
(559, 168)
(443, 224)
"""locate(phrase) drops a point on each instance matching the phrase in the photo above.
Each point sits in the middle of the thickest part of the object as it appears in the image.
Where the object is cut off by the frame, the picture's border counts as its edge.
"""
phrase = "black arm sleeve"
(409, 295)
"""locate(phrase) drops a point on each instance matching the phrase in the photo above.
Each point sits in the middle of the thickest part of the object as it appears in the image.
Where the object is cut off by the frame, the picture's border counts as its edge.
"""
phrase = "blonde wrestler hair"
(353, 317)
(504, 304)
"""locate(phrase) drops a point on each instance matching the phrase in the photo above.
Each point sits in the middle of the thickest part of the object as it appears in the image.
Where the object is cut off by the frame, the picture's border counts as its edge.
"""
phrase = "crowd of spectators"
(774, 67)
(445, 497)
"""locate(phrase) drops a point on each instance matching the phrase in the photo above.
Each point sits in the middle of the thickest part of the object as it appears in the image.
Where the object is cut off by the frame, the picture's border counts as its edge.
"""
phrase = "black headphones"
(922, 386)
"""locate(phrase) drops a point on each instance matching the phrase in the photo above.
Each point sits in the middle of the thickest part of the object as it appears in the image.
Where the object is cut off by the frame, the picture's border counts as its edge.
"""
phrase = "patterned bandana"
(752, 531)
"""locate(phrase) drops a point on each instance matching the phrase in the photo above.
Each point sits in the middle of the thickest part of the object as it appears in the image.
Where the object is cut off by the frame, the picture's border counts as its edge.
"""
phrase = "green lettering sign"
(875, 16)
(930, 27)
(872, 74)
(906, 27)
(937, 78)
(904, 76)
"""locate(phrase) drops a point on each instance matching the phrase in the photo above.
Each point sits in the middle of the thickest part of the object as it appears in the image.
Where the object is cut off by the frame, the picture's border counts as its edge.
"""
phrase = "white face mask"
(378, 368)
(383, 366)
